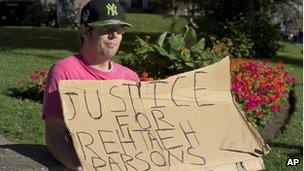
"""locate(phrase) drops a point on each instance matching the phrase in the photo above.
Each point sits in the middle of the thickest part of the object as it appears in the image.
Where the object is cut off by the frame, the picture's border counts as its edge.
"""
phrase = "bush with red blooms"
(145, 77)
(261, 89)
(33, 87)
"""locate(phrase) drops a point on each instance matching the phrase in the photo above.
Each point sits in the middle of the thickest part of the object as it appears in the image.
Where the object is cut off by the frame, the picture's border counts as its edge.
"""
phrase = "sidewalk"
(4, 141)
(27, 157)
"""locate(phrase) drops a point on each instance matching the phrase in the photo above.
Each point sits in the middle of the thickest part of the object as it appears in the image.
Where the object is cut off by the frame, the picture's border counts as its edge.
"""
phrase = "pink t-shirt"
(76, 68)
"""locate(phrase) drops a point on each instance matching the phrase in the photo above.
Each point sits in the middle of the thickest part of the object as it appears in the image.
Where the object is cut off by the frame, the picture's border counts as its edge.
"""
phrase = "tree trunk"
(66, 16)
(251, 14)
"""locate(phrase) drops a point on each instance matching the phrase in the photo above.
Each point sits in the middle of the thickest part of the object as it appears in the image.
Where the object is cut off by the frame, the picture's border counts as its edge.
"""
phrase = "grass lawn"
(23, 50)
(290, 142)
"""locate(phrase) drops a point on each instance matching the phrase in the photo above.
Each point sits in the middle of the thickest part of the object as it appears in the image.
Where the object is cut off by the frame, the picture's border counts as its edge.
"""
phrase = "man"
(102, 26)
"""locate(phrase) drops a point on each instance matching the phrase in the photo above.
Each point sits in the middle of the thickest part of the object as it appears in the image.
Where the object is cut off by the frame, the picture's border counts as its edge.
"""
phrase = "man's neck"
(96, 60)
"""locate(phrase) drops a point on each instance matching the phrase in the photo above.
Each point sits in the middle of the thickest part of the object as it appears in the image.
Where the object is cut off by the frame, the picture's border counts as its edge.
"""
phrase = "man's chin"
(110, 54)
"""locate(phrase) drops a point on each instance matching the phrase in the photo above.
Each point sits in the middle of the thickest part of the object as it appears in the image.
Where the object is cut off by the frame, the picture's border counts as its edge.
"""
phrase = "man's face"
(106, 40)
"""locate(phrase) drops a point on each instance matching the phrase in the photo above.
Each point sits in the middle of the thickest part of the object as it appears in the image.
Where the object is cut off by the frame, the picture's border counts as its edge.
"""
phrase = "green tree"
(254, 18)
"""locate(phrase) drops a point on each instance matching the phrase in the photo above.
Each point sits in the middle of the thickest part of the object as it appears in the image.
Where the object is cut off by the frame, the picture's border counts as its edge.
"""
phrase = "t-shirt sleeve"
(131, 75)
(51, 99)
(135, 77)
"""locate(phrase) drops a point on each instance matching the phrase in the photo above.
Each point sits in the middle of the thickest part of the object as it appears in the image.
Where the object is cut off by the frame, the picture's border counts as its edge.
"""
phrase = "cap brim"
(109, 23)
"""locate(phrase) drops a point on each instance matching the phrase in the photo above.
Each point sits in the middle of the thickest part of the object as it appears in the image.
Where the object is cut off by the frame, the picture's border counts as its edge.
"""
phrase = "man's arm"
(56, 140)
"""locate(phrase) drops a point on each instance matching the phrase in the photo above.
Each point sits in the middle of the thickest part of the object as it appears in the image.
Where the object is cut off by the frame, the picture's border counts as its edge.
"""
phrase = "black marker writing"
(155, 92)
(127, 161)
(111, 162)
(147, 163)
(87, 105)
(130, 141)
(161, 118)
(164, 138)
(102, 132)
(170, 155)
(195, 89)
(152, 139)
(130, 95)
(172, 90)
(203, 162)
(188, 133)
(120, 124)
(158, 156)
(143, 121)
(122, 100)
(97, 162)
(70, 94)
(85, 137)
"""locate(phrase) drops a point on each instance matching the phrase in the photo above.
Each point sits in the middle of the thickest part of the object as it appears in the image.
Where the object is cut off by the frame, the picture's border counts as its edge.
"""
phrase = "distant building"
(13, 12)
(154, 6)
(68, 11)
(290, 22)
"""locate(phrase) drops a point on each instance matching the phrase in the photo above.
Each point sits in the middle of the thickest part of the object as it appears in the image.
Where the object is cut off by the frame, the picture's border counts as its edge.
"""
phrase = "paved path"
(25, 157)
(3, 140)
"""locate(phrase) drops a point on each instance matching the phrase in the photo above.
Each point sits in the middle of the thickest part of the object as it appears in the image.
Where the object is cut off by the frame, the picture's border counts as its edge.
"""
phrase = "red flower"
(33, 77)
(261, 113)
(145, 77)
(275, 108)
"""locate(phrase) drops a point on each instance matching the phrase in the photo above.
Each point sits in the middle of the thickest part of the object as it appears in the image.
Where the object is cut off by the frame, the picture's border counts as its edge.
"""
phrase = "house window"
(145, 3)
(136, 3)
(126, 3)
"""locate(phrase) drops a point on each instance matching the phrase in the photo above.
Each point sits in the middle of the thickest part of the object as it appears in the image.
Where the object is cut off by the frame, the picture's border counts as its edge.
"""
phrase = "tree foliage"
(254, 18)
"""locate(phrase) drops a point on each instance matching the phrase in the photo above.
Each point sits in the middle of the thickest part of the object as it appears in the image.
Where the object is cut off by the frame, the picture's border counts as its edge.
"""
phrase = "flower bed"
(32, 87)
(260, 89)
(278, 121)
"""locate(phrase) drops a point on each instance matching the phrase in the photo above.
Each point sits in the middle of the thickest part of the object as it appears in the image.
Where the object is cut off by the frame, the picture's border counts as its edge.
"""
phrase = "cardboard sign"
(186, 122)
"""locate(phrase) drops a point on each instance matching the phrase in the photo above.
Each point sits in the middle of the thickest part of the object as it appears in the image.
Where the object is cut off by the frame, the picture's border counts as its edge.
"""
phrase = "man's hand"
(59, 143)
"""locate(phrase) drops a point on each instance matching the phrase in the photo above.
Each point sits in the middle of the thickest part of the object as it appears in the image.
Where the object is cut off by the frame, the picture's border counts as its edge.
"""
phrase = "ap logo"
(292, 161)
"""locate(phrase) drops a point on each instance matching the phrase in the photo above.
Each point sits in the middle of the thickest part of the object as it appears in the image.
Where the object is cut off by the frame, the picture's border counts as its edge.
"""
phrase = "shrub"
(266, 37)
(38, 15)
(260, 89)
(243, 22)
(230, 35)
(32, 88)
(170, 55)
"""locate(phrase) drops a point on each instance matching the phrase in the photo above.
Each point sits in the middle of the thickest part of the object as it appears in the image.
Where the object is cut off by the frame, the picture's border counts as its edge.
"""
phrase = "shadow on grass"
(38, 153)
(297, 148)
(30, 93)
(12, 38)
(49, 56)
(286, 59)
